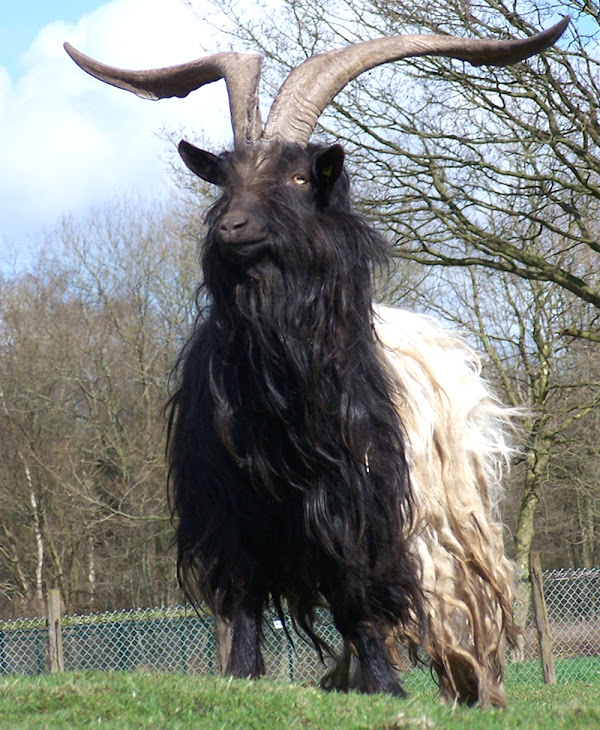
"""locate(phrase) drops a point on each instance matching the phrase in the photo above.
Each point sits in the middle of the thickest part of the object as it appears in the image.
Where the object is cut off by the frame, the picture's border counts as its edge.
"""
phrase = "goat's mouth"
(245, 252)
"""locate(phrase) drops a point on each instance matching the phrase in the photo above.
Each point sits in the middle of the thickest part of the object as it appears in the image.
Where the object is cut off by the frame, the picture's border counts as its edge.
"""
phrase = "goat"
(321, 449)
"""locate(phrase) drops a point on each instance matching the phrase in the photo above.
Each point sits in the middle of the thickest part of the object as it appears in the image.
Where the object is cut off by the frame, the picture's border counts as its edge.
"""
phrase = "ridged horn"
(314, 83)
(241, 72)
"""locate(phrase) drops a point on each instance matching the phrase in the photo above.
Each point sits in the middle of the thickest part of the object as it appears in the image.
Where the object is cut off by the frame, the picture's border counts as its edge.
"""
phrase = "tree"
(473, 166)
(490, 174)
(88, 339)
(517, 325)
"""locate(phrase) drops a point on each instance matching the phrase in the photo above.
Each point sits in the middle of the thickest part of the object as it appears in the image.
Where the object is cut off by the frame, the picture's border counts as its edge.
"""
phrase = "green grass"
(146, 700)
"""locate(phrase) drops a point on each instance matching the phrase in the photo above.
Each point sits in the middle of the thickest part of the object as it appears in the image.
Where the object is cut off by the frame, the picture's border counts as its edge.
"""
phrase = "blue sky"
(69, 143)
(21, 20)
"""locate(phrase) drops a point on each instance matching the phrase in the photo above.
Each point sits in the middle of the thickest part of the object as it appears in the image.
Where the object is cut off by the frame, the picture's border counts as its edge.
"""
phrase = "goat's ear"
(327, 168)
(204, 164)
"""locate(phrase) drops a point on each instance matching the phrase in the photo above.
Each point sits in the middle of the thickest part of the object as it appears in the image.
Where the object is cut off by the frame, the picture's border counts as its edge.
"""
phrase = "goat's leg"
(467, 649)
(456, 679)
(376, 673)
(464, 680)
(245, 659)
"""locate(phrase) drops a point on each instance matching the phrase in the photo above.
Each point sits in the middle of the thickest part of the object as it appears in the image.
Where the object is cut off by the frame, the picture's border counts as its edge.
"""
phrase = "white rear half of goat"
(458, 449)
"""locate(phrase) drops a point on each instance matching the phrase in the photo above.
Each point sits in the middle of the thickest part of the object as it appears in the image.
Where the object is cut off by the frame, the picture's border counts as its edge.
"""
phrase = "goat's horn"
(311, 86)
(241, 72)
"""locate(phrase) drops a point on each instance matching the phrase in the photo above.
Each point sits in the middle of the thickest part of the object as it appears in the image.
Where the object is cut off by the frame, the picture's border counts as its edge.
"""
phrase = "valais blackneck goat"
(323, 450)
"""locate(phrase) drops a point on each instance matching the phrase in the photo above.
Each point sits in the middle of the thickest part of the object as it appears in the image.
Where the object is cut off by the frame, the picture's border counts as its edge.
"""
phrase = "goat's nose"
(232, 226)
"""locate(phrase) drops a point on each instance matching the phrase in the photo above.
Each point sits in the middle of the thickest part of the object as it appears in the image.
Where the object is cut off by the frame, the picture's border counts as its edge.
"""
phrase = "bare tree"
(466, 167)
(489, 178)
(88, 338)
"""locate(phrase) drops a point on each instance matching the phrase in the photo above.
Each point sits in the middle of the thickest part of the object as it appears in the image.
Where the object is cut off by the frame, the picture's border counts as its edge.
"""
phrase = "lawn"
(147, 700)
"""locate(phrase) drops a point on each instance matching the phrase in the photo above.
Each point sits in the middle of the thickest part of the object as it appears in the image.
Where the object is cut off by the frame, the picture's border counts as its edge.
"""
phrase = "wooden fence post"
(55, 646)
(224, 636)
(540, 613)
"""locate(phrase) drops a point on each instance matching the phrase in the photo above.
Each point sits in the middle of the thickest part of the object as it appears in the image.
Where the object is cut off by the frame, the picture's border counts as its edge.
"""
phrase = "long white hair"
(458, 441)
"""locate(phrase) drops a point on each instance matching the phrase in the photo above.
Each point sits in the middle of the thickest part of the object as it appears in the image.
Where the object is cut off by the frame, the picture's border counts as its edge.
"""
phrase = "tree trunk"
(91, 570)
(39, 537)
(586, 530)
(537, 458)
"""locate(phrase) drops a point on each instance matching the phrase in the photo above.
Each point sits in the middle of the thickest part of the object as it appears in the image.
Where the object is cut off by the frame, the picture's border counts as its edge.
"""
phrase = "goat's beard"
(285, 380)
(304, 401)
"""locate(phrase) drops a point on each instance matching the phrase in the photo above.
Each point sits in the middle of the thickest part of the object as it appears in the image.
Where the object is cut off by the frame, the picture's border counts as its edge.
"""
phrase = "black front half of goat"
(288, 475)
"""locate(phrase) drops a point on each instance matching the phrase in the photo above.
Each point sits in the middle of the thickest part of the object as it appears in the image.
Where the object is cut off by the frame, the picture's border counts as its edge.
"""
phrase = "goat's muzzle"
(242, 235)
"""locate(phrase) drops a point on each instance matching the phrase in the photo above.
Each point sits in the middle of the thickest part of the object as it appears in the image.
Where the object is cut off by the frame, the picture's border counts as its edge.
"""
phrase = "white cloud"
(68, 141)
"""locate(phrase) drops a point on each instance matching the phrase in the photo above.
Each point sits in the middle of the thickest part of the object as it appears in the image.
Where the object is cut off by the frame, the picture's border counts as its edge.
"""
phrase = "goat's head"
(263, 186)
(276, 159)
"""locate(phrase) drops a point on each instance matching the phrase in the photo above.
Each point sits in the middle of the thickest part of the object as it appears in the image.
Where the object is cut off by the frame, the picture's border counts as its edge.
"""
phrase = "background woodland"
(487, 184)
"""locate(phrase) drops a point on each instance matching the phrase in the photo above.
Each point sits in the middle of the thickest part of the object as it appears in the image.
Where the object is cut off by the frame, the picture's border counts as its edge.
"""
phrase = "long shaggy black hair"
(288, 476)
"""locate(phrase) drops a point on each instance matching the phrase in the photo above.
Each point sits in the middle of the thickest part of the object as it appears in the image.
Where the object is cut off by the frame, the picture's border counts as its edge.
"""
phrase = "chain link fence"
(173, 639)
(573, 602)
(178, 640)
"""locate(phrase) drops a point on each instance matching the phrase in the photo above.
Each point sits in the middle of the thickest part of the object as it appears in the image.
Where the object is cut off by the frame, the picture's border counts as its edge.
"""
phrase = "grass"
(146, 700)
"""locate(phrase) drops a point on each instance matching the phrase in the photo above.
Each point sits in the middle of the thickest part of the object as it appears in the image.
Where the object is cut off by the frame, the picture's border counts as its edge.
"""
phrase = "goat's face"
(268, 190)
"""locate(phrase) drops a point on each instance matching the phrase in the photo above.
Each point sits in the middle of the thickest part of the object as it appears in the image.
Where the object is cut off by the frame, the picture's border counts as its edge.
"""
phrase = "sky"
(69, 143)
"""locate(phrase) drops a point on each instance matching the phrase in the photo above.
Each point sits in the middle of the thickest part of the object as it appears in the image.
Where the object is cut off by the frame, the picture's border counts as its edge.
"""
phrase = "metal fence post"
(3, 665)
(290, 657)
(40, 636)
(182, 635)
(122, 649)
(55, 646)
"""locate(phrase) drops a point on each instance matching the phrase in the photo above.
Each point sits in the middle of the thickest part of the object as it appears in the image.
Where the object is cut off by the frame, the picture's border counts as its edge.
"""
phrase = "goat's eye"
(300, 179)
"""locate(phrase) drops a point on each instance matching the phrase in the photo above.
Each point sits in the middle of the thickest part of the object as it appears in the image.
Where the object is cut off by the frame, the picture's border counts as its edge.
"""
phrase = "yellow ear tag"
(327, 172)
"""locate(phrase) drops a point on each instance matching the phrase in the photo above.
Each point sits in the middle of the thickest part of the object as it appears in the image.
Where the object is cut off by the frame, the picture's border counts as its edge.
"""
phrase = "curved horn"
(311, 86)
(241, 72)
